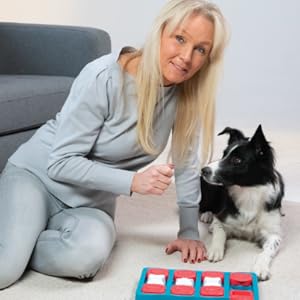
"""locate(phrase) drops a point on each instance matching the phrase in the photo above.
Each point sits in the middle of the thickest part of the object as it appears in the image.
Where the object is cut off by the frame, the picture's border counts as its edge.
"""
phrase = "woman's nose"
(186, 55)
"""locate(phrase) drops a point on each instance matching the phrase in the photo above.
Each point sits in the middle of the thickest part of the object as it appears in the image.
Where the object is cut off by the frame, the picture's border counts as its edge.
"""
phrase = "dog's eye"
(236, 160)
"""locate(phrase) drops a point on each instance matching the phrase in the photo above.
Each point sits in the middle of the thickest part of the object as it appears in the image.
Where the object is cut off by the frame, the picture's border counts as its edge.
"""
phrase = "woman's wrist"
(133, 183)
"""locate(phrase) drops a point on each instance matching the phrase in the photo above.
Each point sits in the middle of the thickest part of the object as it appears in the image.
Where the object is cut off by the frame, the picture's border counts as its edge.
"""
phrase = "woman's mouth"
(179, 68)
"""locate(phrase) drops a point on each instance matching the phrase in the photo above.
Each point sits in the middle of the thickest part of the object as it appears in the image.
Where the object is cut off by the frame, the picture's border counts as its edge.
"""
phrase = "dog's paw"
(262, 271)
(215, 254)
(206, 217)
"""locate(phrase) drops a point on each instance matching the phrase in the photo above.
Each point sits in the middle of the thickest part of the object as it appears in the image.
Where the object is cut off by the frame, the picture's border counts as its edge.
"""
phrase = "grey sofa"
(38, 64)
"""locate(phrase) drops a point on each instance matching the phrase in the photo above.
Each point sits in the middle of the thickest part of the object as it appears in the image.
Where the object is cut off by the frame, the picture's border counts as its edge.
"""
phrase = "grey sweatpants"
(39, 231)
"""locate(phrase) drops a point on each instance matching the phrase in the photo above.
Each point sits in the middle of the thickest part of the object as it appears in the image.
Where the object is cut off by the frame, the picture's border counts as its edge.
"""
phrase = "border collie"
(241, 197)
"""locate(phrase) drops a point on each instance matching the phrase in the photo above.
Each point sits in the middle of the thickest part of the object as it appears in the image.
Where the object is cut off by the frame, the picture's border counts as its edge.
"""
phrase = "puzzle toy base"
(168, 284)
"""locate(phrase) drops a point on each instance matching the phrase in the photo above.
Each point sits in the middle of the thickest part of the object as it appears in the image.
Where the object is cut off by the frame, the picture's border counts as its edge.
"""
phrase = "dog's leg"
(206, 217)
(217, 247)
(270, 249)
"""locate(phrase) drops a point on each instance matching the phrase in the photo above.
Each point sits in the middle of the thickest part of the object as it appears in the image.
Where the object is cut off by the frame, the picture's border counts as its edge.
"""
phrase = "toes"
(215, 254)
(206, 217)
(263, 275)
(262, 272)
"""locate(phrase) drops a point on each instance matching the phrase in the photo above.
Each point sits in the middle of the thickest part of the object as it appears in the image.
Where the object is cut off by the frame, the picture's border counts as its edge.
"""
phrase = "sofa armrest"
(49, 49)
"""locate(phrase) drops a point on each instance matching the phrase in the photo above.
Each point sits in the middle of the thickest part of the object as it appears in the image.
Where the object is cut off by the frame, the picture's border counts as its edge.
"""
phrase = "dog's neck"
(248, 198)
(250, 201)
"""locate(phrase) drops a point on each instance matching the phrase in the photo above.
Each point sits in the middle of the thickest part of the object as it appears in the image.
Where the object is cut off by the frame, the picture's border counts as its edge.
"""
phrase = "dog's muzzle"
(209, 176)
(206, 172)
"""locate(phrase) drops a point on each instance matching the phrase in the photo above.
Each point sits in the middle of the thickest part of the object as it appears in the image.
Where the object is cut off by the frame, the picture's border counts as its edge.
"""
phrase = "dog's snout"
(206, 172)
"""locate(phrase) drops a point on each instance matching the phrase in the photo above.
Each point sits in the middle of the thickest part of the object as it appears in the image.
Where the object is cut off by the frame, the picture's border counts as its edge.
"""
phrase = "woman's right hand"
(154, 180)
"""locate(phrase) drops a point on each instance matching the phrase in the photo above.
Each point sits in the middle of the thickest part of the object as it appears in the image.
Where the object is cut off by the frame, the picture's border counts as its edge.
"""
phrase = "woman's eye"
(180, 39)
(201, 50)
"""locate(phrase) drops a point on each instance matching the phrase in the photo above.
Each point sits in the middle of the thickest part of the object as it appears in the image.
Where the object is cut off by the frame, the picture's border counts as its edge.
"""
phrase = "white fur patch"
(252, 219)
(252, 223)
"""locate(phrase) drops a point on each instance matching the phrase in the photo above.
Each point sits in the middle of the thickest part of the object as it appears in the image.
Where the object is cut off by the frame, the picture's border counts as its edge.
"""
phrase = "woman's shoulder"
(129, 59)
(108, 65)
(103, 63)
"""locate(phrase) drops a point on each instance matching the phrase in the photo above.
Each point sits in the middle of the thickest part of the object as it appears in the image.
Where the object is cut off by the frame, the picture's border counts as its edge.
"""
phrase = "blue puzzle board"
(231, 290)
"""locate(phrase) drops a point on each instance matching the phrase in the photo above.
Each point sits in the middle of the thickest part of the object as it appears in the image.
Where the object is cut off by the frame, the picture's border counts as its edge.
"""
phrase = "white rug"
(145, 225)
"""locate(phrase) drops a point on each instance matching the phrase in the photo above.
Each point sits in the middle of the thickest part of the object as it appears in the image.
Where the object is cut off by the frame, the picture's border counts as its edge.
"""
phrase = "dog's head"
(245, 162)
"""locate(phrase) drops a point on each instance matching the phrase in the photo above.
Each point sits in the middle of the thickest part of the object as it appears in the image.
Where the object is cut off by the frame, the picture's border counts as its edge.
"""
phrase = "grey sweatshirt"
(89, 153)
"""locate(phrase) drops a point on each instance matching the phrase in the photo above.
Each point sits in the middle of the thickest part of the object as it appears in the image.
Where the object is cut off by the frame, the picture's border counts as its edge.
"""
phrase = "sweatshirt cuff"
(124, 180)
(188, 223)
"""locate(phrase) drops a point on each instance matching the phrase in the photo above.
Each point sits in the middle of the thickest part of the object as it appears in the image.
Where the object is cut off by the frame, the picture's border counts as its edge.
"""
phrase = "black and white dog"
(241, 196)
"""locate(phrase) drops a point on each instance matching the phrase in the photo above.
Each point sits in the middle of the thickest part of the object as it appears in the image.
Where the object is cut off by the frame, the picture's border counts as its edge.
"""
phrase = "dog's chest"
(250, 203)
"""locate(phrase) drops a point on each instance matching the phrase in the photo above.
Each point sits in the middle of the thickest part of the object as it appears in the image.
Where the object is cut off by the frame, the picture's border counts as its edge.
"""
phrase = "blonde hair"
(196, 102)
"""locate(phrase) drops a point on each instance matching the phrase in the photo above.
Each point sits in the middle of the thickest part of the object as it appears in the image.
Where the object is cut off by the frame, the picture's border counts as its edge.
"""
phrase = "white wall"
(127, 21)
(262, 66)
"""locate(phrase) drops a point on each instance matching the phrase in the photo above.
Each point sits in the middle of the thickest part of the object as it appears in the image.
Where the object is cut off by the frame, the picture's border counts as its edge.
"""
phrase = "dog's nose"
(206, 172)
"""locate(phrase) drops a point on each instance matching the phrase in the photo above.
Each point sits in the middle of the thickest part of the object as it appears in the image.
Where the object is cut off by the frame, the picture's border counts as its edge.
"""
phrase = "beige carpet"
(145, 226)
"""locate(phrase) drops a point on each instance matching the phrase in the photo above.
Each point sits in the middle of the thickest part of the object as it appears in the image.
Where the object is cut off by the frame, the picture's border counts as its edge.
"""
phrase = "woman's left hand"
(191, 250)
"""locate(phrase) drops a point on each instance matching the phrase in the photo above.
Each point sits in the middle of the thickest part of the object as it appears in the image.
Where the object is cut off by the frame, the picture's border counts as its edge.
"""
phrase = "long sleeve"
(188, 191)
(89, 153)
(79, 125)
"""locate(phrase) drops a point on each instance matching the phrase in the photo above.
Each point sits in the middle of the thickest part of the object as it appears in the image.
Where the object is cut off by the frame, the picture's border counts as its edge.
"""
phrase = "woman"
(58, 190)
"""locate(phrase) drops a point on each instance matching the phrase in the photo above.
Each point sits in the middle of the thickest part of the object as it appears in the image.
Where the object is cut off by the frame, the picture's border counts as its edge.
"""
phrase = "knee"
(7, 277)
(91, 250)
(88, 258)
(89, 263)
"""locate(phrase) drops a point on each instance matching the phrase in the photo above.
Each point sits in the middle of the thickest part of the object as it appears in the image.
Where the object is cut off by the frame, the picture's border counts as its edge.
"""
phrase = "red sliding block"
(216, 291)
(241, 295)
(153, 288)
(185, 274)
(164, 272)
(182, 290)
(212, 274)
(240, 279)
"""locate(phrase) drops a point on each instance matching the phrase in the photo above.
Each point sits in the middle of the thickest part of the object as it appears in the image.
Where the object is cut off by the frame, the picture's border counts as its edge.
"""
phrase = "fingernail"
(192, 261)
(199, 260)
(167, 249)
(185, 260)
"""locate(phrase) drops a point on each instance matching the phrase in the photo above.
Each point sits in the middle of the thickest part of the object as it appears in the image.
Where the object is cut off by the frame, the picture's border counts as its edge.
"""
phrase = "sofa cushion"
(28, 101)
(9, 143)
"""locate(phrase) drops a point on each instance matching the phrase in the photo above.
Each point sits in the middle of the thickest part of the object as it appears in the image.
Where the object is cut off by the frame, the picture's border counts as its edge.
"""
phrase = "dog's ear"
(234, 135)
(258, 141)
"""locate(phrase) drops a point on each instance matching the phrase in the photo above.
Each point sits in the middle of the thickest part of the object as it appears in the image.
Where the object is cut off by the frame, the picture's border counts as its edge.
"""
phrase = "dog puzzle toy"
(168, 284)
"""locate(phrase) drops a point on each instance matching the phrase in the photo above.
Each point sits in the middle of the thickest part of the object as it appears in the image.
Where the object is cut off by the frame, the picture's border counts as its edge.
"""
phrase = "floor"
(146, 224)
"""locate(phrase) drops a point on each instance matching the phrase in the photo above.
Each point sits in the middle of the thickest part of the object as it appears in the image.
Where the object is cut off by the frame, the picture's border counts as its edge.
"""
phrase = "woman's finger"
(192, 254)
(165, 170)
(171, 248)
(184, 254)
(201, 253)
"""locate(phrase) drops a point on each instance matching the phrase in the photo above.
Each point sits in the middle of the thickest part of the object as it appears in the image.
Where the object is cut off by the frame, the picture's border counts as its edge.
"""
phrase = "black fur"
(240, 190)
(246, 162)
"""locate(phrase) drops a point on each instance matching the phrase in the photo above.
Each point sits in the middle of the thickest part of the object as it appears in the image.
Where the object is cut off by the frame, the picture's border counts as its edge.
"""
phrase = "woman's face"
(184, 51)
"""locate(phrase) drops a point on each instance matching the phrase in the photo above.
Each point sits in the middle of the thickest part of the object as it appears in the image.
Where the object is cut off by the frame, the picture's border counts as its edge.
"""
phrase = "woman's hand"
(154, 180)
(191, 250)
